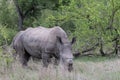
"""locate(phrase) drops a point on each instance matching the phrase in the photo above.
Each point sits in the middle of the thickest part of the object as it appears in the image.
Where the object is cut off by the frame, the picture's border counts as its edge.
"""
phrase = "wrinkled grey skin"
(44, 43)
(17, 44)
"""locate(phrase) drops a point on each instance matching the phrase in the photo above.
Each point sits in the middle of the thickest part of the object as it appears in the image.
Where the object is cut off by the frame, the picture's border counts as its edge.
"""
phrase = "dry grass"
(83, 70)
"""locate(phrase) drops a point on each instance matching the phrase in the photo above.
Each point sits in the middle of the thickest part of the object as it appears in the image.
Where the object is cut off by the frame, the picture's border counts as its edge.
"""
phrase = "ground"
(85, 68)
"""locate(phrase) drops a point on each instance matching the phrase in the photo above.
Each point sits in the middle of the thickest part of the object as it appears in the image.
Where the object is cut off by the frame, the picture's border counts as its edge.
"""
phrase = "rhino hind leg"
(25, 58)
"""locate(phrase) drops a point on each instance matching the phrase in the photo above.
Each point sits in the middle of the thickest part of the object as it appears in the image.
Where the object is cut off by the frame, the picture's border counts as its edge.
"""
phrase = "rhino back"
(38, 40)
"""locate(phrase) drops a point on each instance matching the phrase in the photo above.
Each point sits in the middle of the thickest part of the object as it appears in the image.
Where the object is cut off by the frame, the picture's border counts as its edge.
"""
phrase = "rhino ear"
(59, 40)
(73, 40)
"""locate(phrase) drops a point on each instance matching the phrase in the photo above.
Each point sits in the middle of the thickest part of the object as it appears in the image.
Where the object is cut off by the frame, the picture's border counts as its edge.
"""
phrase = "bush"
(6, 35)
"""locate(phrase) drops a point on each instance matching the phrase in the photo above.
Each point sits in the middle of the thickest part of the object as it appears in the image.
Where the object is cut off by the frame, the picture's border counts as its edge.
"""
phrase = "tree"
(26, 9)
(22, 13)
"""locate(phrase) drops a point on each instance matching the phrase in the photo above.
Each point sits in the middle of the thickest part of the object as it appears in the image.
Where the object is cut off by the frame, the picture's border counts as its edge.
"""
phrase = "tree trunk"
(116, 46)
(101, 47)
(20, 16)
(20, 23)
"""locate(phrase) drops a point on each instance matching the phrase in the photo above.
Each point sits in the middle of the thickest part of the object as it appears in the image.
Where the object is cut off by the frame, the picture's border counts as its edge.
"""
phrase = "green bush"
(6, 35)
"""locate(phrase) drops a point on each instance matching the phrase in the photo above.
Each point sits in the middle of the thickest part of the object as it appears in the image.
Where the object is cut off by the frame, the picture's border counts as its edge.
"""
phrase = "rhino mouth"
(70, 67)
(68, 64)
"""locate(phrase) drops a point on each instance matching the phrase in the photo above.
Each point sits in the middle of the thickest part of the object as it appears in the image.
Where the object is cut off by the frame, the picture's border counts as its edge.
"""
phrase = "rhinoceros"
(44, 43)
(16, 43)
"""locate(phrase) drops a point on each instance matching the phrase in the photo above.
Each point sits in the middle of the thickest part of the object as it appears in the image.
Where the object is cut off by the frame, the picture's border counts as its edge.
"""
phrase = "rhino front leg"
(45, 59)
(57, 59)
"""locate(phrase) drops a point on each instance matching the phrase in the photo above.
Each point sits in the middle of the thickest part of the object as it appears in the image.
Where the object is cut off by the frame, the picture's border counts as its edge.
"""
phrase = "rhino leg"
(57, 59)
(25, 58)
(45, 59)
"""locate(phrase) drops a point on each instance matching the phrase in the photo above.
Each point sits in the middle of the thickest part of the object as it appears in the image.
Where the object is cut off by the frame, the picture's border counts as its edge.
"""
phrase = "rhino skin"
(16, 43)
(44, 43)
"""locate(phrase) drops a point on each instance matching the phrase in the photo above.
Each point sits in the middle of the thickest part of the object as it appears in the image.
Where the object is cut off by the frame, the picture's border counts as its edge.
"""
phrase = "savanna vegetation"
(95, 23)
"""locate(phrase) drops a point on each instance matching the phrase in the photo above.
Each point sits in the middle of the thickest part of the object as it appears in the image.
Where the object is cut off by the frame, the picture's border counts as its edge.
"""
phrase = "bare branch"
(77, 54)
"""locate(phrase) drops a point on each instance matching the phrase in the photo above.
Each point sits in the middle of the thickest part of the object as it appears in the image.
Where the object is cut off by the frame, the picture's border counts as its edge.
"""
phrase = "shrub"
(6, 35)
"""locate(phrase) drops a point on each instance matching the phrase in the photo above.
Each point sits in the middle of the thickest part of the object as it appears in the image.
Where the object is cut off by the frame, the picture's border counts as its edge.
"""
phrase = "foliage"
(8, 14)
(6, 35)
(92, 22)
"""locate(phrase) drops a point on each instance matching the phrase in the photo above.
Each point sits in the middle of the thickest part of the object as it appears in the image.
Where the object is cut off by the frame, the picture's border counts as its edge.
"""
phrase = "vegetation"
(95, 23)
(83, 70)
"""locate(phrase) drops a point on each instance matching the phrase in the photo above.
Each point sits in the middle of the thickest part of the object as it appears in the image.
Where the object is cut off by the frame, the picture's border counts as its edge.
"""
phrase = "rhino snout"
(70, 61)
(70, 65)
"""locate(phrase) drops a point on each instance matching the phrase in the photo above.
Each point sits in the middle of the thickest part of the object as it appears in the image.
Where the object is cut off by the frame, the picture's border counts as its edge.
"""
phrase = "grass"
(85, 68)
(96, 58)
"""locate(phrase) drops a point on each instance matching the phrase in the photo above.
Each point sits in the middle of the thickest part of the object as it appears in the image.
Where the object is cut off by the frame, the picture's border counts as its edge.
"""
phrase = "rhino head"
(66, 56)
